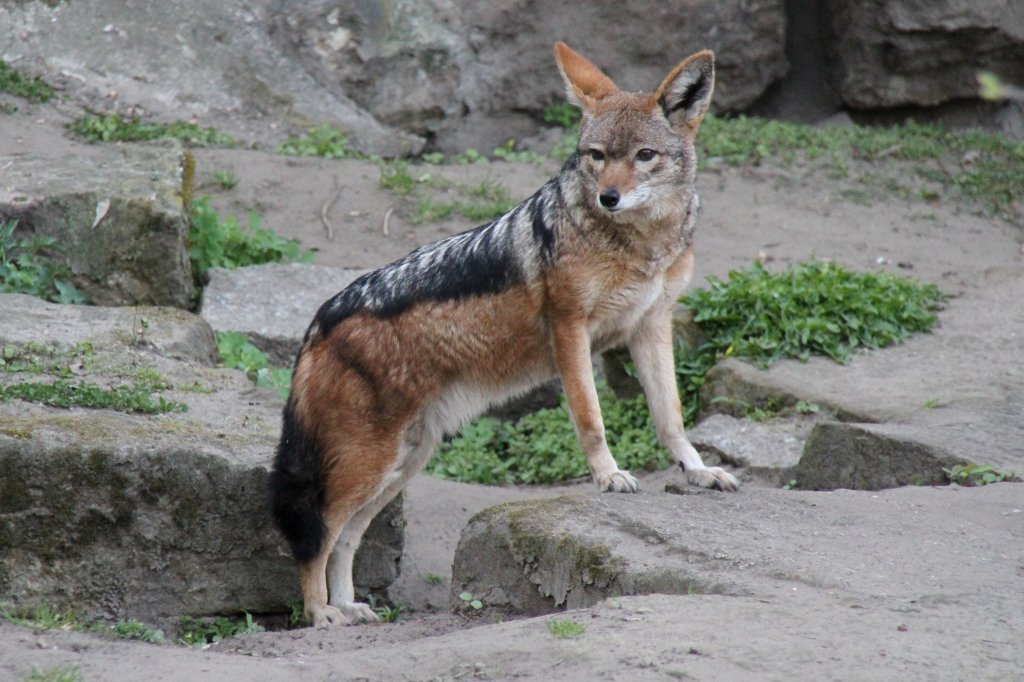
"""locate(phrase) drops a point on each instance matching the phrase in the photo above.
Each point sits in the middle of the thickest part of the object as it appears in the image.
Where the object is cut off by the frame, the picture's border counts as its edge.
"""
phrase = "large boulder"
(893, 53)
(146, 516)
(116, 214)
(477, 74)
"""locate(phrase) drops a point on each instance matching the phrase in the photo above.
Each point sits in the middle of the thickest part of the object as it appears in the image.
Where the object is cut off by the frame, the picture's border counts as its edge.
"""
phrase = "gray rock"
(767, 449)
(477, 74)
(272, 303)
(544, 556)
(893, 53)
(145, 516)
(116, 215)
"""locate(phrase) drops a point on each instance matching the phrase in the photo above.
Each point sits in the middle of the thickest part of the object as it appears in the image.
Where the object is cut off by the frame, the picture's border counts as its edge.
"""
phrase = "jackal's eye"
(596, 154)
(646, 154)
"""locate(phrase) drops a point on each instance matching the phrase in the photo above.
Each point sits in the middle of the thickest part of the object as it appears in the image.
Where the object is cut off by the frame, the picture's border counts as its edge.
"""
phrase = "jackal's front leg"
(572, 357)
(651, 350)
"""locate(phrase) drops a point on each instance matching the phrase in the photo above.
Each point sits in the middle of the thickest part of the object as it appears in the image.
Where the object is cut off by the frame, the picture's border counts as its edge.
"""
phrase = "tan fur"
(378, 392)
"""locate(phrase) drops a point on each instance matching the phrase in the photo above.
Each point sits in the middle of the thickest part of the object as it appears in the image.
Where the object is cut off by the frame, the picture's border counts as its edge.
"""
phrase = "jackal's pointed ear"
(685, 93)
(585, 84)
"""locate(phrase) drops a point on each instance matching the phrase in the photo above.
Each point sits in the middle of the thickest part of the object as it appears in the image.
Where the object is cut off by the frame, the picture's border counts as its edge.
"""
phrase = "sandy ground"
(337, 209)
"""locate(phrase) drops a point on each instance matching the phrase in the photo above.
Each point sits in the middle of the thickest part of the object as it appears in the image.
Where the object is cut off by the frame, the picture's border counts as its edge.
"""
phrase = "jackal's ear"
(585, 84)
(685, 93)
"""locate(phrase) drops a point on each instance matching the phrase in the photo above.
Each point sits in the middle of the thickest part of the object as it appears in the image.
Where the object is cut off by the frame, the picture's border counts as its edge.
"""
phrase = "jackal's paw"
(713, 477)
(325, 616)
(617, 482)
(357, 612)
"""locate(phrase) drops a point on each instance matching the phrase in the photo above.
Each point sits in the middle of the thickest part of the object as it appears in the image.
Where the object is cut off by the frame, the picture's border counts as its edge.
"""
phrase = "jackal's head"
(636, 149)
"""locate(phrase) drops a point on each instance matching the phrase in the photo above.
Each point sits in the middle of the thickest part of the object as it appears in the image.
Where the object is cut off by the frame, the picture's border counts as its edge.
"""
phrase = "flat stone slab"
(767, 449)
(911, 545)
(272, 303)
(136, 515)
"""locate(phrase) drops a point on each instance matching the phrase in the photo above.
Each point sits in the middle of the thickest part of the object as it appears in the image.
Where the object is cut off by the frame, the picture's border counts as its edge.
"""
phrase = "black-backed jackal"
(597, 257)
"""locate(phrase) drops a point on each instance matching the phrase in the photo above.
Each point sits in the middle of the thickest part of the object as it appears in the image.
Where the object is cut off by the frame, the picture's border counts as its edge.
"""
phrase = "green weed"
(134, 630)
(218, 242)
(41, 618)
(975, 475)
(433, 578)
(237, 352)
(563, 115)
(25, 268)
(200, 633)
(472, 602)
(388, 613)
(324, 140)
(70, 673)
(63, 393)
(565, 629)
(16, 83)
(116, 128)
(225, 178)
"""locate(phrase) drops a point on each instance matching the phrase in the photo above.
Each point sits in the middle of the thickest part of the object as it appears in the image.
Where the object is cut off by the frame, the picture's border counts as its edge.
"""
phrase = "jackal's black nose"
(609, 198)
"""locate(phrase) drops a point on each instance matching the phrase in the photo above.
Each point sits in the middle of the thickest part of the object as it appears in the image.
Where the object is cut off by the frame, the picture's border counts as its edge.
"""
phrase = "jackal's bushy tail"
(297, 487)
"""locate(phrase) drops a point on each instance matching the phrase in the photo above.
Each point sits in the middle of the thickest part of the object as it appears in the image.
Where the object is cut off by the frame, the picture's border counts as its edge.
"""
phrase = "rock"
(871, 457)
(544, 556)
(893, 53)
(116, 215)
(768, 449)
(475, 75)
(217, 61)
(145, 516)
(272, 303)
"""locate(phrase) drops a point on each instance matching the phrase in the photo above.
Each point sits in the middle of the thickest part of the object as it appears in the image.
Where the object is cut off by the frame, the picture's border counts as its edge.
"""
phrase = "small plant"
(237, 352)
(16, 83)
(216, 242)
(25, 269)
(975, 474)
(41, 618)
(564, 628)
(225, 178)
(297, 614)
(472, 602)
(433, 578)
(202, 633)
(113, 127)
(64, 393)
(563, 115)
(324, 140)
(388, 613)
(134, 630)
(71, 673)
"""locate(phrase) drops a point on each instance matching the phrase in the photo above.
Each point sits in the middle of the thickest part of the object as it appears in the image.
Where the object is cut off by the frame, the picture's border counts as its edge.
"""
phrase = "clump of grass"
(14, 82)
(563, 628)
(325, 140)
(978, 474)
(41, 618)
(225, 178)
(136, 398)
(114, 127)
(201, 633)
(69, 673)
(218, 242)
(25, 268)
(810, 309)
(563, 115)
(133, 630)
(237, 352)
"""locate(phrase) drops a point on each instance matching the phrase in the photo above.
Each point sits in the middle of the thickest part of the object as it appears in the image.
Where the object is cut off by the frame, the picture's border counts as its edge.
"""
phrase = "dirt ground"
(336, 208)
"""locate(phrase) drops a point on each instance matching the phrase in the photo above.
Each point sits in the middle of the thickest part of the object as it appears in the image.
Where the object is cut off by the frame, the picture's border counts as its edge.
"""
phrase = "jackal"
(406, 354)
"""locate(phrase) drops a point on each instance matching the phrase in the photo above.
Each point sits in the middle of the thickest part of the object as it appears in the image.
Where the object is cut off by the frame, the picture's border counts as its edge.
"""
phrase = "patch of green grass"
(472, 602)
(508, 152)
(563, 628)
(200, 633)
(113, 127)
(388, 613)
(975, 474)
(809, 309)
(225, 178)
(324, 140)
(63, 393)
(14, 82)
(41, 618)
(134, 630)
(219, 242)
(483, 201)
(68, 673)
(563, 115)
(237, 352)
(433, 578)
(981, 166)
(26, 267)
